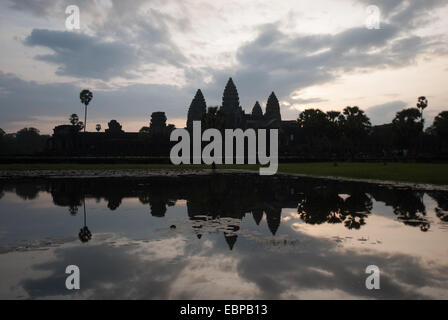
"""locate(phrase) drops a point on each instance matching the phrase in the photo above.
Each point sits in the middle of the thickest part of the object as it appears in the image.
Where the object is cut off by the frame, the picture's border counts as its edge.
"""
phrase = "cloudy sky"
(141, 56)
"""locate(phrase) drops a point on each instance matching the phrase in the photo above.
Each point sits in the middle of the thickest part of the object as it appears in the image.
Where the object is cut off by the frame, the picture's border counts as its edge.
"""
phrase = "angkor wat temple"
(234, 115)
(69, 140)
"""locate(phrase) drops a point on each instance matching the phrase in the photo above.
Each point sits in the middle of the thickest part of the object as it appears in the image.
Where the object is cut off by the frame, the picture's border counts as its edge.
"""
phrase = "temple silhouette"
(69, 140)
(233, 114)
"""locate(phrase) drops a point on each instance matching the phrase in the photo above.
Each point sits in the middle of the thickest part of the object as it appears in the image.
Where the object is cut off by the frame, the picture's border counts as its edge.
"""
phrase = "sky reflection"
(276, 243)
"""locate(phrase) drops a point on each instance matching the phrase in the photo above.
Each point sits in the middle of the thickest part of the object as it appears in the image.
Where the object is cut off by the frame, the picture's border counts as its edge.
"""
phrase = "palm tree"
(74, 119)
(85, 96)
(422, 103)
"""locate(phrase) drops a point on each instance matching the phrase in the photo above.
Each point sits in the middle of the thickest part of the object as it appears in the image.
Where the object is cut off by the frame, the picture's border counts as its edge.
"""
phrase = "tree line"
(347, 133)
(351, 133)
(26, 141)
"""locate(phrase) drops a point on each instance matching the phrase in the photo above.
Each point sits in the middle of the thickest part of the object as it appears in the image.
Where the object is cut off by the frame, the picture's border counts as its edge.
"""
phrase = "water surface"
(221, 237)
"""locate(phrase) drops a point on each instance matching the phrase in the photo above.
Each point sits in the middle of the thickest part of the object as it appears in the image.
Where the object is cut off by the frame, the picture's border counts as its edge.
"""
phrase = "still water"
(221, 237)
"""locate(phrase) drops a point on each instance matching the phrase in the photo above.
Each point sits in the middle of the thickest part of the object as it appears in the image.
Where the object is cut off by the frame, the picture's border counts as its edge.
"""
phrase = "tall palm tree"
(85, 96)
(421, 105)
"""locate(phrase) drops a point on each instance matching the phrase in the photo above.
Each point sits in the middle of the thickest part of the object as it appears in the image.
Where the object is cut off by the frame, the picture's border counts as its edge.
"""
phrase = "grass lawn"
(400, 172)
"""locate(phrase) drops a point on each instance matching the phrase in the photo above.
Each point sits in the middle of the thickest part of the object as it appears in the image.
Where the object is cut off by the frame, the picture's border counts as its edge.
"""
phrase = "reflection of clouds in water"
(141, 270)
(381, 233)
(212, 277)
(314, 254)
(108, 272)
(331, 270)
(175, 269)
(160, 249)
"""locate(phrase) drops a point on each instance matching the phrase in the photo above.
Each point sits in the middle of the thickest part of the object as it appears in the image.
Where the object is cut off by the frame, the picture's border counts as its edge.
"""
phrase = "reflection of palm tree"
(84, 233)
(73, 210)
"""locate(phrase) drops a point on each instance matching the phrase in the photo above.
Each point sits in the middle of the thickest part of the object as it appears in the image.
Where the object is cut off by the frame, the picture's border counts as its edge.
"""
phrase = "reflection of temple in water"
(231, 198)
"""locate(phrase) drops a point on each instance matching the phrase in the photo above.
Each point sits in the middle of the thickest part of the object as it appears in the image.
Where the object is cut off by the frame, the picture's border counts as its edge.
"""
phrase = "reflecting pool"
(238, 236)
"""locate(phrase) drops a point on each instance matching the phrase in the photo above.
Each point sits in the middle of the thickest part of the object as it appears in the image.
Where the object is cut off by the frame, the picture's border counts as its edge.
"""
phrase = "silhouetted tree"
(145, 130)
(422, 103)
(29, 141)
(74, 119)
(98, 127)
(440, 125)
(313, 120)
(334, 128)
(85, 96)
(407, 126)
(114, 127)
(355, 126)
(314, 127)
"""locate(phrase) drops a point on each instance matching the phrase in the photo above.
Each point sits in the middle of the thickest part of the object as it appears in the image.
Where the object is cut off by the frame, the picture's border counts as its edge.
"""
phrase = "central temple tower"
(231, 108)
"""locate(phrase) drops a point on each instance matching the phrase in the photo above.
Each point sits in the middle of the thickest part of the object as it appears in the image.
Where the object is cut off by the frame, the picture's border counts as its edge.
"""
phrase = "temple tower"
(197, 109)
(158, 122)
(230, 99)
(257, 113)
(273, 108)
(231, 108)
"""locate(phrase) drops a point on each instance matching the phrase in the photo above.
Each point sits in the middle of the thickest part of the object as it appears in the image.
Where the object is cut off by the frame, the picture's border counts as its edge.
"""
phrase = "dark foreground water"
(221, 237)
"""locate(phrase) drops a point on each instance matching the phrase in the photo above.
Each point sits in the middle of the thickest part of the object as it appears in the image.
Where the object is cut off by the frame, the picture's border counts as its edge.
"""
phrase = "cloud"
(134, 40)
(22, 101)
(35, 7)
(81, 55)
(407, 13)
(384, 113)
(286, 63)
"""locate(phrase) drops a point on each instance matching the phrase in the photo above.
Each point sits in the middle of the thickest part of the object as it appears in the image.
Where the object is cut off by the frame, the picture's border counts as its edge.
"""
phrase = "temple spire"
(230, 239)
(273, 108)
(230, 99)
(197, 109)
(257, 113)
